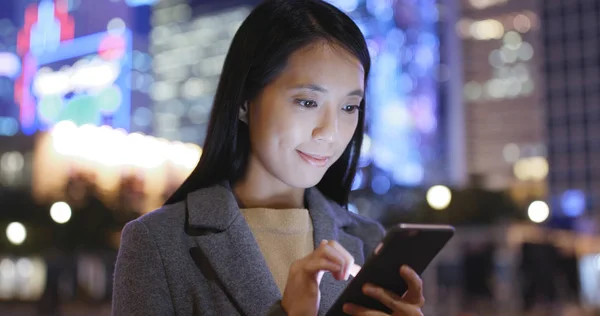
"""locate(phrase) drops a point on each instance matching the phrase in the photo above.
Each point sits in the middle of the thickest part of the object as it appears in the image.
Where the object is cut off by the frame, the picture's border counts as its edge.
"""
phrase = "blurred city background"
(484, 114)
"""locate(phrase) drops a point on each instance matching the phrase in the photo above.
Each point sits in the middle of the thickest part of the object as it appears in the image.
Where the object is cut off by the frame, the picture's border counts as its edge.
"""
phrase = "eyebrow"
(314, 87)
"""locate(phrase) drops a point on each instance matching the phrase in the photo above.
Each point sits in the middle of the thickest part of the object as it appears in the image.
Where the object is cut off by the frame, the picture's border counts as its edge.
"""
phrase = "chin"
(304, 181)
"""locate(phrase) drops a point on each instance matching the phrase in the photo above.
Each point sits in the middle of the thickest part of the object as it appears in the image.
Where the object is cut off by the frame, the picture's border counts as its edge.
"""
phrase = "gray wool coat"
(199, 257)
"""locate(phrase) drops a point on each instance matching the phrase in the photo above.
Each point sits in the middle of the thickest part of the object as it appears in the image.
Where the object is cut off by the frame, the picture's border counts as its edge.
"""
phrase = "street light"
(60, 212)
(439, 197)
(16, 233)
(538, 211)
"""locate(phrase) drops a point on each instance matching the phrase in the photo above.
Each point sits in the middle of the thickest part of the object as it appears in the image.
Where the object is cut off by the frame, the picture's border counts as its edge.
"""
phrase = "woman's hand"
(302, 295)
(408, 305)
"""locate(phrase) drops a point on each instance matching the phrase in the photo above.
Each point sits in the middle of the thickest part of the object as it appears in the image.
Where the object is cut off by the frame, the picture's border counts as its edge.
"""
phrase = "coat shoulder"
(165, 221)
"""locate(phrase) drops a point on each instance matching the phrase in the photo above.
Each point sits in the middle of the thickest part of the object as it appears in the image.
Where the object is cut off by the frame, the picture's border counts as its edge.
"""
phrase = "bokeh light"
(573, 203)
(439, 197)
(60, 212)
(532, 168)
(538, 211)
(16, 233)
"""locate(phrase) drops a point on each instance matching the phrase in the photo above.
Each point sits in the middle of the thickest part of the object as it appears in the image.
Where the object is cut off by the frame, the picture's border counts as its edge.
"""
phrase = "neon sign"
(84, 79)
(46, 25)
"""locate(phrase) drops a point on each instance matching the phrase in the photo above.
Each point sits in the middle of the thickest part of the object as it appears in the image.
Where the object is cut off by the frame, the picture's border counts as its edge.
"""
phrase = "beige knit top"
(283, 235)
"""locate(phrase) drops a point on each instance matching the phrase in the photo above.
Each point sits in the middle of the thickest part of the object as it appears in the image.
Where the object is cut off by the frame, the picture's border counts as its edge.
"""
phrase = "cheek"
(291, 134)
(347, 130)
(280, 132)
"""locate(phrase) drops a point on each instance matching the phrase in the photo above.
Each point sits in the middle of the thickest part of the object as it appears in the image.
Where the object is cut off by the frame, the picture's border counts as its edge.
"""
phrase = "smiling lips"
(315, 160)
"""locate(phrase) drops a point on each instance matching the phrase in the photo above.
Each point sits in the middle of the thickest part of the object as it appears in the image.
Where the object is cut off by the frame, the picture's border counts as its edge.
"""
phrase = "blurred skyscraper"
(188, 42)
(571, 39)
(502, 91)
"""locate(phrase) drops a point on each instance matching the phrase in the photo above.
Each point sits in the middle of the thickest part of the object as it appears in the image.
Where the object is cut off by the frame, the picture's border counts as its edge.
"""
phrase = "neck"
(253, 196)
(256, 190)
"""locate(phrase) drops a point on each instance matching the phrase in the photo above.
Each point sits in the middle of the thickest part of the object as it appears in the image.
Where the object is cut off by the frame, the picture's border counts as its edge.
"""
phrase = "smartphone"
(414, 245)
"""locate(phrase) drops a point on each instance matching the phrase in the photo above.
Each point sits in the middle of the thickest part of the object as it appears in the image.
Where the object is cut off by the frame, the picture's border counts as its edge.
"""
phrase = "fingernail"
(369, 289)
(347, 308)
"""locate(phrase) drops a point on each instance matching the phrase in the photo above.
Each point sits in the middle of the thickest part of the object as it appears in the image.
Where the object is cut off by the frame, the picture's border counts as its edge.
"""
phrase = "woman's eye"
(350, 108)
(307, 103)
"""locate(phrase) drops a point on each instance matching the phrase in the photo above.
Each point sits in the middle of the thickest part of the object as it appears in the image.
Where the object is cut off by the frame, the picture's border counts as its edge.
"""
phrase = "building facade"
(502, 92)
(572, 74)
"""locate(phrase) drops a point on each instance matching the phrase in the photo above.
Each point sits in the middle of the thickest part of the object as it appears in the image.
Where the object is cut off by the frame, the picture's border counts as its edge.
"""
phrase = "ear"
(243, 114)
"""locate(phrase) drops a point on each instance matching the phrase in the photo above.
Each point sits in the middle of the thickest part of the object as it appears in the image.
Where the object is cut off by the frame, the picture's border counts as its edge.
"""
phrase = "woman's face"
(302, 122)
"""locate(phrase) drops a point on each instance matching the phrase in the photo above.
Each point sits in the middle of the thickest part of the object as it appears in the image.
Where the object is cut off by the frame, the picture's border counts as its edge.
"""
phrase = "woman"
(259, 227)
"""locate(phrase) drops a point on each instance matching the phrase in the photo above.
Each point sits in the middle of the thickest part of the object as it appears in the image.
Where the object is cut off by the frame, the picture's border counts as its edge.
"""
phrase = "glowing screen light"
(402, 96)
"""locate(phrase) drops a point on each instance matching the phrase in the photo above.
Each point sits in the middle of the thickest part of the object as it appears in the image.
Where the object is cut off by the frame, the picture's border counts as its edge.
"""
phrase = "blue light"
(352, 208)
(78, 47)
(45, 34)
(402, 37)
(409, 174)
(138, 3)
(8, 126)
(573, 203)
(142, 116)
(380, 184)
(358, 180)
(10, 65)
(345, 5)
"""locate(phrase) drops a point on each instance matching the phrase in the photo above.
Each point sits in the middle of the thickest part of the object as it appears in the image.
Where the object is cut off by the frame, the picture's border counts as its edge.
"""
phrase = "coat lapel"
(227, 243)
(330, 221)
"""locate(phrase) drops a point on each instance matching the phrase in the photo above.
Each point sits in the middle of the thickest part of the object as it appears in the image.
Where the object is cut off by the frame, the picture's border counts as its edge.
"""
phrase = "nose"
(327, 128)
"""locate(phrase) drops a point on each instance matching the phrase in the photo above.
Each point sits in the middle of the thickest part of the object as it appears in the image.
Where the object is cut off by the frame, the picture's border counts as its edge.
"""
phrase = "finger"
(414, 294)
(327, 252)
(317, 265)
(349, 259)
(352, 309)
(391, 300)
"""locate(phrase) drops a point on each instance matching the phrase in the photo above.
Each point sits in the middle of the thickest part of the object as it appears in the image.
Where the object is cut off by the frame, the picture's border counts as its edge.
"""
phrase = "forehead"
(324, 64)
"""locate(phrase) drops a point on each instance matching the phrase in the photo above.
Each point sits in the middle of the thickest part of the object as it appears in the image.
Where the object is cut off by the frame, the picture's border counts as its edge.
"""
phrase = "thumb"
(354, 269)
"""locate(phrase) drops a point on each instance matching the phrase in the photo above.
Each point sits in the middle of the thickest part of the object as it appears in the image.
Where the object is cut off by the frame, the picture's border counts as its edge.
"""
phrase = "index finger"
(414, 294)
(347, 256)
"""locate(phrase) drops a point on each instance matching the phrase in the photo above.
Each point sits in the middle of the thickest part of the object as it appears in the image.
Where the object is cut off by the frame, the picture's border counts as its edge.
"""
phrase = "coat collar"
(215, 208)
(223, 237)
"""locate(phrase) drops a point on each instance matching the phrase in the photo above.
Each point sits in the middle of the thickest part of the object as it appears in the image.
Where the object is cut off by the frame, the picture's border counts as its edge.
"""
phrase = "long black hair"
(258, 53)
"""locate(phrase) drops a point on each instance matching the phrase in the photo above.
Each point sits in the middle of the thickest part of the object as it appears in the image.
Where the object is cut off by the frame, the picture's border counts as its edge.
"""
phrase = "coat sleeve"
(276, 310)
(140, 283)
